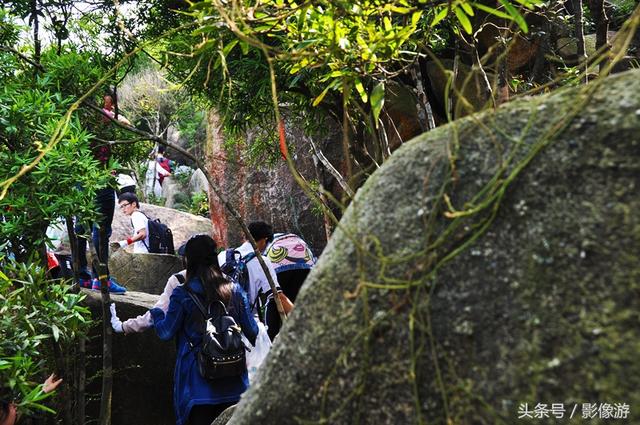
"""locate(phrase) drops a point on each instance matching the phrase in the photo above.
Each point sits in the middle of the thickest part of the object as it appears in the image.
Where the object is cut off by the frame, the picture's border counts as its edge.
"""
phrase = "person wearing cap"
(144, 321)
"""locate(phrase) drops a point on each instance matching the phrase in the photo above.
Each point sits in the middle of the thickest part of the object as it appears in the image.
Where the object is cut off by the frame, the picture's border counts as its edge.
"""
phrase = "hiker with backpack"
(129, 204)
(149, 236)
(205, 315)
(292, 260)
(241, 265)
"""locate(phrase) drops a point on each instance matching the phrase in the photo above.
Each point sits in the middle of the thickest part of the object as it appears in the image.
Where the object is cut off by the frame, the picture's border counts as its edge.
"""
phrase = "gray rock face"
(457, 294)
(270, 193)
(224, 416)
(143, 272)
(198, 182)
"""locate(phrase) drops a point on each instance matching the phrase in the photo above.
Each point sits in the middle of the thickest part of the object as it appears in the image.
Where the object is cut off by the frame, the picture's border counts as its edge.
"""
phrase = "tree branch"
(23, 57)
(327, 164)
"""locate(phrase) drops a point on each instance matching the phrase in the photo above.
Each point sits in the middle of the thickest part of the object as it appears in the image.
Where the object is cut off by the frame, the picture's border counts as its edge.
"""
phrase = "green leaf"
(530, 4)
(318, 99)
(387, 23)
(415, 17)
(463, 19)
(399, 9)
(515, 15)
(361, 91)
(377, 101)
(226, 49)
(56, 332)
(467, 8)
(440, 16)
(244, 46)
(491, 10)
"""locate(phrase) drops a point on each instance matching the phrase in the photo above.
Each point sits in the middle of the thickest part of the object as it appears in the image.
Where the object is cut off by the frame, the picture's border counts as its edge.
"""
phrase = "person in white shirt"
(129, 204)
(262, 233)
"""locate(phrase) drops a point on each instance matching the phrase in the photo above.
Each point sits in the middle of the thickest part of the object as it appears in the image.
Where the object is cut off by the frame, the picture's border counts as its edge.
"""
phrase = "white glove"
(123, 243)
(116, 324)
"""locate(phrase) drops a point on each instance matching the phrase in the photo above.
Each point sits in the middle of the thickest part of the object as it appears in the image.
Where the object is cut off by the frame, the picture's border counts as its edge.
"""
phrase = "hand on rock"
(117, 245)
(116, 324)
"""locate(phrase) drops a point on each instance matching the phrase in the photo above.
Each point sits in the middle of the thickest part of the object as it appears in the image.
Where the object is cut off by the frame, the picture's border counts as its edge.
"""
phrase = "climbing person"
(9, 414)
(143, 322)
(110, 108)
(292, 261)
(164, 163)
(105, 203)
(258, 288)
(198, 401)
(129, 204)
(156, 172)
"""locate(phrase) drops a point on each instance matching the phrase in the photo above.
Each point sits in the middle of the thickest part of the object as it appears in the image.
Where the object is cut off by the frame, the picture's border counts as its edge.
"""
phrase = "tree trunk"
(425, 113)
(81, 379)
(579, 33)
(62, 366)
(602, 28)
(37, 47)
(452, 92)
(73, 243)
(100, 264)
(540, 63)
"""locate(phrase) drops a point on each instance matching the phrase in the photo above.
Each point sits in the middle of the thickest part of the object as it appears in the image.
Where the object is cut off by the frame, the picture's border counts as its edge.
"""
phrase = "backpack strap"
(196, 301)
(143, 242)
(143, 239)
(250, 256)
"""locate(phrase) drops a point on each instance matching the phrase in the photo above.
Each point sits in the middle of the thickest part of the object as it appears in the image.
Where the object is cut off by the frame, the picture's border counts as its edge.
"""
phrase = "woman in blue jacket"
(197, 400)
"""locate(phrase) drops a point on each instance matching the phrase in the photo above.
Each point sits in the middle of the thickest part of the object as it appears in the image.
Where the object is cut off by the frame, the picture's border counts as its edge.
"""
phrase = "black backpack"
(222, 352)
(160, 237)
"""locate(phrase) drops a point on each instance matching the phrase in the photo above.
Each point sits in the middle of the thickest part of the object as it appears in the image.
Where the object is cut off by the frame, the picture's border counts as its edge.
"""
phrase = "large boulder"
(198, 182)
(143, 272)
(142, 366)
(489, 263)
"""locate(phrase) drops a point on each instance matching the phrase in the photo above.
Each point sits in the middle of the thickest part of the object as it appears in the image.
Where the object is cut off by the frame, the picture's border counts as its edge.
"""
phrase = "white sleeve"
(144, 321)
(139, 221)
(161, 170)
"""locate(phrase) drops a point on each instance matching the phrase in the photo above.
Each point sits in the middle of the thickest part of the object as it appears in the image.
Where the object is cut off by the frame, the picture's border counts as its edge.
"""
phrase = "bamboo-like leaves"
(377, 101)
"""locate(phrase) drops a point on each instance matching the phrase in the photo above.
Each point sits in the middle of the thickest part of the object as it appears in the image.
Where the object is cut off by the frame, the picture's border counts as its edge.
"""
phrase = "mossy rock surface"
(143, 272)
(143, 366)
(532, 299)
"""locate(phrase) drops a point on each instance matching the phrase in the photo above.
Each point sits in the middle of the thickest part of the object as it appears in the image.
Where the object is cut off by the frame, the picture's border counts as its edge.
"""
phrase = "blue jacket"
(181, 320)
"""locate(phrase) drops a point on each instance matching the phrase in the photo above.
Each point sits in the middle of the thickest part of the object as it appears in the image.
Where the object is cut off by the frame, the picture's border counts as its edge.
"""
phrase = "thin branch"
(327, 164)
(23, 57)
